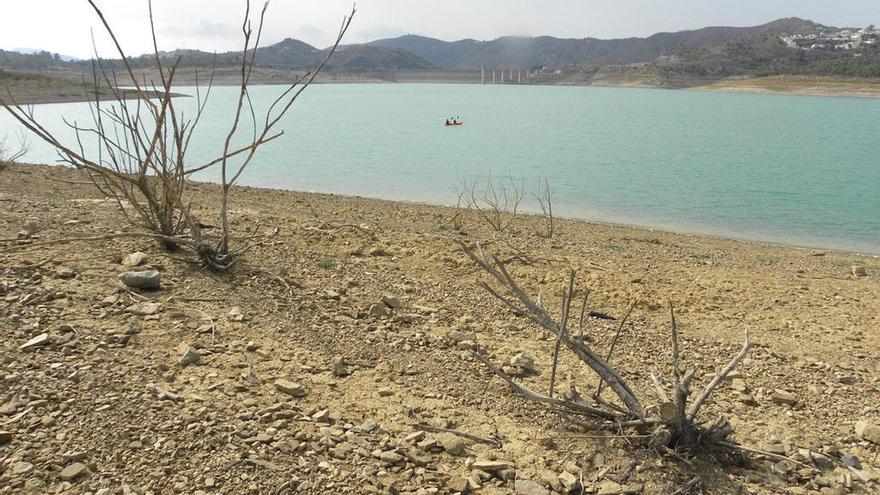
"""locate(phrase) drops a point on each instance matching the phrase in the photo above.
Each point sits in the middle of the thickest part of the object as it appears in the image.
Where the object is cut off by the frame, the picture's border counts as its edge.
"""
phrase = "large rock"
(868, 431)
(150, 279)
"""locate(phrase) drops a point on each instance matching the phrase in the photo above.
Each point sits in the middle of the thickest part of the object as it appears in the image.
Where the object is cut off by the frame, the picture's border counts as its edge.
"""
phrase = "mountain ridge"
(709, 52)
(555, 53)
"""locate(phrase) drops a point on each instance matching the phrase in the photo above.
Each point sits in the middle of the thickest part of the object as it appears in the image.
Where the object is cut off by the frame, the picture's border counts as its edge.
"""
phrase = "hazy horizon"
(67, 31)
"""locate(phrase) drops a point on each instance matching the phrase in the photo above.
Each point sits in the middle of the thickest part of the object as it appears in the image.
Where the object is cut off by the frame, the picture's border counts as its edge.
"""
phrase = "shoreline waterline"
(682, 232)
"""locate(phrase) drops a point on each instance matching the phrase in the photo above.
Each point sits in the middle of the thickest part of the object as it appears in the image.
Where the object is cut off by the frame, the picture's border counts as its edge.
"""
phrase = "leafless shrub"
(671, 424)
(496, 202)
(545, 201)
(143, 141)
(462, 207)
(10, 154)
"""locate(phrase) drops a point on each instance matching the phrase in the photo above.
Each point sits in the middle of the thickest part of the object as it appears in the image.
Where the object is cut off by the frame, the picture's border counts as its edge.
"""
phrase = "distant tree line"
(35, 61)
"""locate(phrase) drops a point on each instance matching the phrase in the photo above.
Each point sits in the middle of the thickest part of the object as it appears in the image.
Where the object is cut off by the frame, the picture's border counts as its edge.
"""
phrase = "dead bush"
(142, 140)
(495, 202)
(671, 423)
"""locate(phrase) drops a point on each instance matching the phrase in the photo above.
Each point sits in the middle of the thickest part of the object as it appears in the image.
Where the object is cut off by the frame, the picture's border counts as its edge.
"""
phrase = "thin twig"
(623, 320)
(434, 429)
(764, 453)
(567, 294)
(719, 377)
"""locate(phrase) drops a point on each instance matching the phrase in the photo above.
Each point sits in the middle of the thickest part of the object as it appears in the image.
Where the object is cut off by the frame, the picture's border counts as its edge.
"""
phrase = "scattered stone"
(417, 459)
(524, 363)
(529, 487)
(147, 280)
(570, 483)
(859, 271)
(784, 397)
(385, 392)
(290, 388)
(868, 431)
(491, 466)
(5, 437)
(339, 368)
(845, 379)
(609, 487)
(458, 485)
(453, 444)
(65, 272)
(391, 301)
(391, 457)
(851, 461)
(22, 468)
(322, 416)
(110, 300)
(776, 448)
(73, 471)
(572, 468)
(29, 229)
(368, 426)
(144, 308)
(379, 310)
(134, 259)
(38, 341)
(235, 314)
(378, 251)
(508, 326)
(188, 355)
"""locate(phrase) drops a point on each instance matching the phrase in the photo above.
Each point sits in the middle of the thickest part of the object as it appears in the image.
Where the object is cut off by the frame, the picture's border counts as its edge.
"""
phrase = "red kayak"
(452, 124)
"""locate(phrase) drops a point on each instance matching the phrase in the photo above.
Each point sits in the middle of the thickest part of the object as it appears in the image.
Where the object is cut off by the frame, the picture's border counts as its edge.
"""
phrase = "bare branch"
(719, 377)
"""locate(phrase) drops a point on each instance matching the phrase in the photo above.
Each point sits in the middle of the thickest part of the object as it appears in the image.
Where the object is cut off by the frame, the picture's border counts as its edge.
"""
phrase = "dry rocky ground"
(308, 369)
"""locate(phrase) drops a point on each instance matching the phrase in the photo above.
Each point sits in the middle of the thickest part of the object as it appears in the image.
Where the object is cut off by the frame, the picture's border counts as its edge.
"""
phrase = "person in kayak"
(447, 122)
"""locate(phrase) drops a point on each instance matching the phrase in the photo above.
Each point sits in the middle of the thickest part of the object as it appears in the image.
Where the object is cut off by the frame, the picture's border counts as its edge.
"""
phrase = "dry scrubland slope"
(84, 412)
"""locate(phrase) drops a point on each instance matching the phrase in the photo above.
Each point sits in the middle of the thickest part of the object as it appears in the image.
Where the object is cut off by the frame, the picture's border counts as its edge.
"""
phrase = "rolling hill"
(557, 53)
(673, 59)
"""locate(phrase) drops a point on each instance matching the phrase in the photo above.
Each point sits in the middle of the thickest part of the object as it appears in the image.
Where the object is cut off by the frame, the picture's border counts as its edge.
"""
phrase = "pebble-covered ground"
(313, 366)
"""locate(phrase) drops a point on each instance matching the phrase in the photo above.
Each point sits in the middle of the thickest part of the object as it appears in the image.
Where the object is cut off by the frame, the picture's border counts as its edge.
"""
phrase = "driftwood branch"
(669, 426)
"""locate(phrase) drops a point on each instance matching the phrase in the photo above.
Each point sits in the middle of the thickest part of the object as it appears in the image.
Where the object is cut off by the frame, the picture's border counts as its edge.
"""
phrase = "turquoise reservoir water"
(789, 169)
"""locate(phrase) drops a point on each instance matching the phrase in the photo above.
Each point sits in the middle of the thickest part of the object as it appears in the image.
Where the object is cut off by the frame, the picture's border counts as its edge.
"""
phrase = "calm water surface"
(789, 169)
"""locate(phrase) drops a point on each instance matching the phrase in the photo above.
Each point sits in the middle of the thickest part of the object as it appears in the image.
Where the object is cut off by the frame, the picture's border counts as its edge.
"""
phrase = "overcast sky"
(214, 25)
